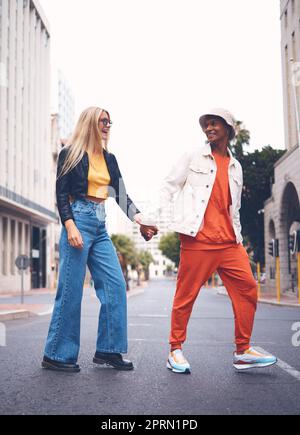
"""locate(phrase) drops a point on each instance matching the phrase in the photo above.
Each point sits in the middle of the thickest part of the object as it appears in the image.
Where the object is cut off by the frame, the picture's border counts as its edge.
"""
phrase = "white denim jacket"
(188, 187)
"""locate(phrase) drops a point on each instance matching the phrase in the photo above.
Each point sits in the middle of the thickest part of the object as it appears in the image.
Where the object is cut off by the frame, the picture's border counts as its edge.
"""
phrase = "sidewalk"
(14, 311)
(37, 292)
(23, 311)
(286, 300)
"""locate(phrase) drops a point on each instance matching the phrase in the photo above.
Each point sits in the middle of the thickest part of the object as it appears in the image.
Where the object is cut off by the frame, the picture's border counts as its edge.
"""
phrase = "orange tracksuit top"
(217, 232)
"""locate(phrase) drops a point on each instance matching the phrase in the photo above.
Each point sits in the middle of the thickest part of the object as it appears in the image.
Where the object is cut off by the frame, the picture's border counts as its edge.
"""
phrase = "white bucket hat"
(225, 115)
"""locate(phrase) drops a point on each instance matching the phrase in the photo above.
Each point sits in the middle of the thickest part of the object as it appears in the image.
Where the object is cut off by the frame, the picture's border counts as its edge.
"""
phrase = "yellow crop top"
(98, 177)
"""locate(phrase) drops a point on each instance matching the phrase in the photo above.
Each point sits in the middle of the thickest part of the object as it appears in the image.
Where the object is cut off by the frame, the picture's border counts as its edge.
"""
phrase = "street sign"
(22, 262)
(35, 253)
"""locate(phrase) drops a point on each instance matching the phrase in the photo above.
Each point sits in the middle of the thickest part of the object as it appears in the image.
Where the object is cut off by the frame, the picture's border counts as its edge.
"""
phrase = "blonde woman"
(87, 175)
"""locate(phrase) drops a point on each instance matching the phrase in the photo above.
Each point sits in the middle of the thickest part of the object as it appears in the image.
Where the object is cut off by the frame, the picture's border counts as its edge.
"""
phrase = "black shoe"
(50, 364)
(114, 360)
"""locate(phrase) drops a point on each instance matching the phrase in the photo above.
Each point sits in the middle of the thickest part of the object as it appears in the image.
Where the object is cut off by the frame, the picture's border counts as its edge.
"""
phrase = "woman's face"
(104, 124)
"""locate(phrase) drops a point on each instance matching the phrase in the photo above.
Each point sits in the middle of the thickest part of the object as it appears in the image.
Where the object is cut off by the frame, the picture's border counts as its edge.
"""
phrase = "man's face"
(215, 129)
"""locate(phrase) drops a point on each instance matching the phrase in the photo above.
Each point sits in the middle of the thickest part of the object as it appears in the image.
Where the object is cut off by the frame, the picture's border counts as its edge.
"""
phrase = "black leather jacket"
(75, 184)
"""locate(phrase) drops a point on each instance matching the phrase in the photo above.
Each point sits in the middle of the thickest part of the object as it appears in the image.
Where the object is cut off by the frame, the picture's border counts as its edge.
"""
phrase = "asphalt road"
(214, 387)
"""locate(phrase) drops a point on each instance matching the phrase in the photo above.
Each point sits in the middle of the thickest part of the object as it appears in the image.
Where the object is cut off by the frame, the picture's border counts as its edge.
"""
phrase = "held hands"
(147, 231)
(74, 236)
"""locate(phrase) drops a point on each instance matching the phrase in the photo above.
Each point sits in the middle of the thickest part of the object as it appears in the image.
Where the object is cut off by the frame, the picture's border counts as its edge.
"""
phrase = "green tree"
(258, 171)
(169, 269)
(170, 247)
(126, 252)
(145, 259)
(241, 140)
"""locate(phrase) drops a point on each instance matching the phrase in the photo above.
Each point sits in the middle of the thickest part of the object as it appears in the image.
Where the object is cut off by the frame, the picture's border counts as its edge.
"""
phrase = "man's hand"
(148, 231)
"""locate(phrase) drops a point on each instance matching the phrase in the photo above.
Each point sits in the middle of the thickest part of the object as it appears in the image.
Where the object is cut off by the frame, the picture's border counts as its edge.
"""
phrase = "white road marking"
(140, 324)
(284, 366)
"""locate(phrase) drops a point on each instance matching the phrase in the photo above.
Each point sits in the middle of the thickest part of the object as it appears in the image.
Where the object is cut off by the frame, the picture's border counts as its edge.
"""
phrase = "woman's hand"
(74, 236)
(148, 231)
(138, 218)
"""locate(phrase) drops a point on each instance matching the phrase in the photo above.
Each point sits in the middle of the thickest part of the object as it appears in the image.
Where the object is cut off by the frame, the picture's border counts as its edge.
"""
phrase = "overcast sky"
(157, 65)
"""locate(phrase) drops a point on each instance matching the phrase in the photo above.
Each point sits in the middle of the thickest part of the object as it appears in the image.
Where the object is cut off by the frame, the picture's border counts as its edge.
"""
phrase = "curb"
(14, 315)
(278, 304)
(13, 294)
(26, 314)
(22, 314)
(223, 292)
(137, 290)
(132, 293)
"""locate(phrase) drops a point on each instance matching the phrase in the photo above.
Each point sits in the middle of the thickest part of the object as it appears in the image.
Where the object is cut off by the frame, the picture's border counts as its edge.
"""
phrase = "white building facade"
(27, 181)
(282, 210)
(160, 265)
(118, 223)
(66, 107)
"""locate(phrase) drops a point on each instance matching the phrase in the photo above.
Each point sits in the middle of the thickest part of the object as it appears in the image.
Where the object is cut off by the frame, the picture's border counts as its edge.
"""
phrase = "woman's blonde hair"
(87, 137)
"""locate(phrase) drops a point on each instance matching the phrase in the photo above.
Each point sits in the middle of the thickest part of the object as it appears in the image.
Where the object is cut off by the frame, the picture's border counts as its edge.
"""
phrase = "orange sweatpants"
(195, 268)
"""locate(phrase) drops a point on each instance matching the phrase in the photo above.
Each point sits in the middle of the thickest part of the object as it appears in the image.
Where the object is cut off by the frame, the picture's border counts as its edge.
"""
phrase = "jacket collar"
(207, 151)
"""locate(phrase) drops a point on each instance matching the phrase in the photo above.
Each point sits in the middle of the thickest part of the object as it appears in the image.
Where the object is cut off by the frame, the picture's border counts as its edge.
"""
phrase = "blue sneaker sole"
(181, 372)
(241, 367)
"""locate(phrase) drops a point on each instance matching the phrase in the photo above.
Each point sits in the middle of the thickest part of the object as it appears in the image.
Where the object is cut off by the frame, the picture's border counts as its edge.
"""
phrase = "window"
(12, 246)
(4, 245)
(20, 238)
(27, 247)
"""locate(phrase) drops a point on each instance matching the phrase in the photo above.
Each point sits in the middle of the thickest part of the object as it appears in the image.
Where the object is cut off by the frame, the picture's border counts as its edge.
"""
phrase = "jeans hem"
(59, 360)
(112, 351)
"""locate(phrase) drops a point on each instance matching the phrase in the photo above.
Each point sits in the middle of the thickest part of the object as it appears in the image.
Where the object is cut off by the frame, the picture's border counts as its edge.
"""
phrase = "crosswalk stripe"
(284, 366)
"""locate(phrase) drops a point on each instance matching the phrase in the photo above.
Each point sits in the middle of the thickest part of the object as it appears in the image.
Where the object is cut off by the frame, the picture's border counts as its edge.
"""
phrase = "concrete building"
(159, 267)
(282, 210)
(66, 107)
(62, 126)
(118, 223)
(54, 228)
(62, 101)
(26, 165)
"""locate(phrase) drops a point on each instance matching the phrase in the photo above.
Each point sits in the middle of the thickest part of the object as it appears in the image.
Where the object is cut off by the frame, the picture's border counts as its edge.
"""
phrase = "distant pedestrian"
(208, 186)
(87, 175)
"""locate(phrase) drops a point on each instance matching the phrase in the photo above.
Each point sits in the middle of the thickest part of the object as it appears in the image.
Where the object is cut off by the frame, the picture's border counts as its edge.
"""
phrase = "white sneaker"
(177, 362)
(253, 359)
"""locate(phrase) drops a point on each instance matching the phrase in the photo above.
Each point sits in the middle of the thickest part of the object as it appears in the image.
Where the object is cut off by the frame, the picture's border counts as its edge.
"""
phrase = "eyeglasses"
(106, 122)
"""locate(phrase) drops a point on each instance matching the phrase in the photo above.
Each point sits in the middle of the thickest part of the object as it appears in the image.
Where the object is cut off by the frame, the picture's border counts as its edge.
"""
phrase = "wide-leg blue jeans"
(100, 256)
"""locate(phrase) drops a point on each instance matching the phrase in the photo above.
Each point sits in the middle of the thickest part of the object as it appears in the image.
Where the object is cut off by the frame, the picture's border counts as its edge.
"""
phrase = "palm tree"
(145, 258)
(126, 252)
